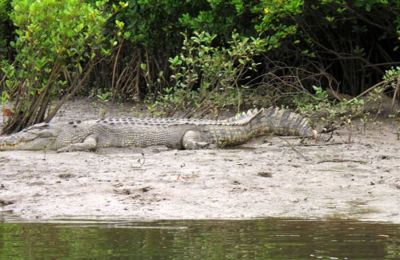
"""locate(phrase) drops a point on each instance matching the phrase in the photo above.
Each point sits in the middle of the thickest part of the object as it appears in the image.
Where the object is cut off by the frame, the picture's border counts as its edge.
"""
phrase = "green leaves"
(218, 17)
(120, 25)
(55, 40)
(278, 19)
(205, 75)
(52, 30)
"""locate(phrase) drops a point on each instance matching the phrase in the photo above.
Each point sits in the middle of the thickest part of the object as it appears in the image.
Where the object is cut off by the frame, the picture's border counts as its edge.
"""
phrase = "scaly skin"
(170, 132)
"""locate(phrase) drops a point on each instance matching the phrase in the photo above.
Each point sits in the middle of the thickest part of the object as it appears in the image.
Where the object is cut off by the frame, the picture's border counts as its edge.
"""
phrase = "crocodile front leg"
(89, 144)
(193, 140)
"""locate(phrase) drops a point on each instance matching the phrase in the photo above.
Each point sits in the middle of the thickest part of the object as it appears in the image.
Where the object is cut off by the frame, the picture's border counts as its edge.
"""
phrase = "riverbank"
(268, 177)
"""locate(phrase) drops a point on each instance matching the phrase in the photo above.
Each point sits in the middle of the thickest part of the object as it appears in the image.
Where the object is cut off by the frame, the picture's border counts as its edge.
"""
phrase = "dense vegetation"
(193, 55)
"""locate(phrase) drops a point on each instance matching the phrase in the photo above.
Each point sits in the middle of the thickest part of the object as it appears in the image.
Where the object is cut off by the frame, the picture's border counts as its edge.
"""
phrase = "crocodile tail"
(285, 122)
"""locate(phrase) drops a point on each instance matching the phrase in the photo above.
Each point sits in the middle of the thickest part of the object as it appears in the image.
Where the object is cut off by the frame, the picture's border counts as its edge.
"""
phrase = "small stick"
(323, 144)
(342, 160)
(294, 149)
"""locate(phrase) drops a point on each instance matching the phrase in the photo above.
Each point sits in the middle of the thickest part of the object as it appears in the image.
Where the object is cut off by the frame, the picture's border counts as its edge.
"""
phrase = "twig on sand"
(323, 144)
(294, 149)
(342, 160)
(328, 144)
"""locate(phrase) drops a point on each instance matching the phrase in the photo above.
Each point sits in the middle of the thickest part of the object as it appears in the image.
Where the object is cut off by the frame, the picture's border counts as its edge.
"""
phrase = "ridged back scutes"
(240, 119)
(273, 119)
(244, 117)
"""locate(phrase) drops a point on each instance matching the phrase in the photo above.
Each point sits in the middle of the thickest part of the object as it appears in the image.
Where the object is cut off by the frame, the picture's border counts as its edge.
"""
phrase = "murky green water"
(251, 239)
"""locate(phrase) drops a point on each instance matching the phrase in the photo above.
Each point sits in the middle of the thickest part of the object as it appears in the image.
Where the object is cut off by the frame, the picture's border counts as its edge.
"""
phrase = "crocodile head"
(37, 137)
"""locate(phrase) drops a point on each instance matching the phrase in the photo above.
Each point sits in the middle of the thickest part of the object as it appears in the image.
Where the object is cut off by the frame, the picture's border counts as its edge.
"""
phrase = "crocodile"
(176, 133)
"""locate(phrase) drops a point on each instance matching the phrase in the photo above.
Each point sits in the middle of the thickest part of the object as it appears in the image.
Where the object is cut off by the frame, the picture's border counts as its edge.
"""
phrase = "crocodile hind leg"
(89, 144)
(193, 140)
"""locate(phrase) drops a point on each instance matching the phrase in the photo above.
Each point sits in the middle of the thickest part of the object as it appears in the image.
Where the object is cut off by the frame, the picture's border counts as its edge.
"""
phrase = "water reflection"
(249, 239)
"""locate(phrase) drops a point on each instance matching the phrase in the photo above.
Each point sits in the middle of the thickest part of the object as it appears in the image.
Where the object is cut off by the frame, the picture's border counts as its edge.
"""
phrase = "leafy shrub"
(221, 18)
(57, 42)
(277, 19)
(206, 77)
(352, 40)
(341, 38)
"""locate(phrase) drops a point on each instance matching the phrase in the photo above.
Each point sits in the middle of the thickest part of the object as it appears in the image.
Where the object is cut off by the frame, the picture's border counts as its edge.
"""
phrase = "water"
(249, 239)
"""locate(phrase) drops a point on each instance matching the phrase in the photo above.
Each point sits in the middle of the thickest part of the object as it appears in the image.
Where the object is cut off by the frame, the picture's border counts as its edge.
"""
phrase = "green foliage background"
(55, 43)
(5, 27)
(353, 41)
(344, 45)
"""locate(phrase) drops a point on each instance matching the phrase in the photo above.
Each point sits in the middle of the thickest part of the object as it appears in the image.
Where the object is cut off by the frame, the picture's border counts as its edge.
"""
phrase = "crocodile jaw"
(33, 138)
(34, 144)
